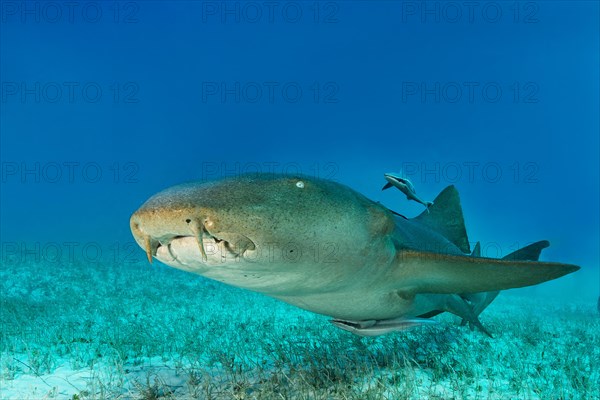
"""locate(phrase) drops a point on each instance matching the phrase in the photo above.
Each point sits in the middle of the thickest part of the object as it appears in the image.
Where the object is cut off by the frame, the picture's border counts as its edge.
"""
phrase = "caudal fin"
(531, 252)
(480, 301)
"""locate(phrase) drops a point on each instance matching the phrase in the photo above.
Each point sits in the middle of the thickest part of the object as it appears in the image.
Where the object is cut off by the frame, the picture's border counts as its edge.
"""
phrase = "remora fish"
(324, 247)
(405, 187)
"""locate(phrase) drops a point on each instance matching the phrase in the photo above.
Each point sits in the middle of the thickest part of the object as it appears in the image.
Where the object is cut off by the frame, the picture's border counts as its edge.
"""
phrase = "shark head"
(263, 231)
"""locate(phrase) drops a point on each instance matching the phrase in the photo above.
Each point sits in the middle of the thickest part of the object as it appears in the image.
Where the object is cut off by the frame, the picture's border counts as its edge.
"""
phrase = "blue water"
(103, 105)
(499, 99)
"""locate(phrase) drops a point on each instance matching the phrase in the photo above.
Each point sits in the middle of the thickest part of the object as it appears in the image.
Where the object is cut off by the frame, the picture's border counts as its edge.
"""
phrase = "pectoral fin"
(424, 272)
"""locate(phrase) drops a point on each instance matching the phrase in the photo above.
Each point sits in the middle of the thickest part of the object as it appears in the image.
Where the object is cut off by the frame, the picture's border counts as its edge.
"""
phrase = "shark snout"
(156, 227)
(162, 231)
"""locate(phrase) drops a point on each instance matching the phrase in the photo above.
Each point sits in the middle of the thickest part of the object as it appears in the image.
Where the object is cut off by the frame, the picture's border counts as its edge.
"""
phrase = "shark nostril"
(135, 228)
(188, 220)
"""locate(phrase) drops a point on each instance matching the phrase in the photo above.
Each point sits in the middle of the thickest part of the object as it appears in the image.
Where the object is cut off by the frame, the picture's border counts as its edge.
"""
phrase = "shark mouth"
(210, 245)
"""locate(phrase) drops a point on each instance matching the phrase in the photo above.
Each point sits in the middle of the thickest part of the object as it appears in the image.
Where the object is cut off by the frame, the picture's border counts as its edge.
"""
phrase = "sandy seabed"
(111, 331)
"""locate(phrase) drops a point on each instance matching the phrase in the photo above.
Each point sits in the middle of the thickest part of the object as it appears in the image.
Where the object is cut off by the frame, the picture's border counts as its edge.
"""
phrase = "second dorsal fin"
(476, 250)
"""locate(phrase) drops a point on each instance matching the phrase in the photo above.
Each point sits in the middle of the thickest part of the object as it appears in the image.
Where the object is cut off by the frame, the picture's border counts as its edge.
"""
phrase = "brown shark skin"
(326, 248)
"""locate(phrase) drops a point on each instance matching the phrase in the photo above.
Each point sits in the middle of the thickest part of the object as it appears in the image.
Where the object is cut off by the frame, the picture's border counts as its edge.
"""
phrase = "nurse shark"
(321, 246)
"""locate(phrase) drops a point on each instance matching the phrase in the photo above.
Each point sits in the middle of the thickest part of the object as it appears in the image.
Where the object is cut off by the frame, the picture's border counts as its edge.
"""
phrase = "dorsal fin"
(476, 250)
(446, 217)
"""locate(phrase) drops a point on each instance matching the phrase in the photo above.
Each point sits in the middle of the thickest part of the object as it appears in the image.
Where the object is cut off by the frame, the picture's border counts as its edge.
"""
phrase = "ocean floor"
(135, 331)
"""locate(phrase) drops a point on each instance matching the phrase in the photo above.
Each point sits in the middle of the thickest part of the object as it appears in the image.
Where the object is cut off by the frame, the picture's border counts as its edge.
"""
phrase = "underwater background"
(103, 104)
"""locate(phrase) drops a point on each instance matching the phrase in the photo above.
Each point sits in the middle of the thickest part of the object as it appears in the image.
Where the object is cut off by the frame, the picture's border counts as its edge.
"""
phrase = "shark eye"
(300, 184)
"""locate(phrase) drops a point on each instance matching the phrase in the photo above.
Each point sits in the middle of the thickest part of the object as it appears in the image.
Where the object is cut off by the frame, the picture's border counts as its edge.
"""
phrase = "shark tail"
(481, 301)
(531, 252)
